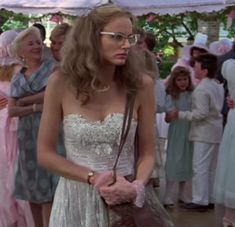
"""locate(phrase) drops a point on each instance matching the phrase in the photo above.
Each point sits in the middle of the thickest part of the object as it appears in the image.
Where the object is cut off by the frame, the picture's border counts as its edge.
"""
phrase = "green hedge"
(165, 68)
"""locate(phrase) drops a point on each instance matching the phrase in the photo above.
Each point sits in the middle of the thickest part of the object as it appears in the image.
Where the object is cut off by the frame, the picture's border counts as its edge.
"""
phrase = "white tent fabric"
(137, 7)
(71, 7)
(140, 7)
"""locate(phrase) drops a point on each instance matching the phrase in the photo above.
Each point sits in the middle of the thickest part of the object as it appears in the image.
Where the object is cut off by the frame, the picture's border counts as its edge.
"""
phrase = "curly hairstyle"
(81, 57)
(171, 87)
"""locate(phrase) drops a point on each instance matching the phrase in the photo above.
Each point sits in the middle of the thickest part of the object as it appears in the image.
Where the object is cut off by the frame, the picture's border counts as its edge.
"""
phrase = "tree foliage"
(10, 20)
(172, 28)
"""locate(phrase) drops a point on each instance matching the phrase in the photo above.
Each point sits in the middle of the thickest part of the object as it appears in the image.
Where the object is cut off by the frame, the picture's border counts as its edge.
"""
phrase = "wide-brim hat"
(200, 46)
(200, 42)
(6, 55)
(221, 46)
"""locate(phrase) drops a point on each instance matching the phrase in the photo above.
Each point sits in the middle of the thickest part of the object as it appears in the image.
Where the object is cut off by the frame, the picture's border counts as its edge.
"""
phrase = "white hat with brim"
(6, 55)
(200, 42)
(221, 47)
(200, 46)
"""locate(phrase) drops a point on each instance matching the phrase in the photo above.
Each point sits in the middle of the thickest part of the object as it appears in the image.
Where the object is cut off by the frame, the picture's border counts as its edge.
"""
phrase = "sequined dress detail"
(93, 144)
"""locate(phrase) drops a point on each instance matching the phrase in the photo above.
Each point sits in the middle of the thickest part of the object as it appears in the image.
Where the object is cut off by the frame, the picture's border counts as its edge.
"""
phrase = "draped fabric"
(137, 7)
(12, 211)
(20, 87)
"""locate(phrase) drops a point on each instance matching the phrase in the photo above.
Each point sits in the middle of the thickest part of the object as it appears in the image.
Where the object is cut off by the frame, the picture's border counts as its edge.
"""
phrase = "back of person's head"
(171, 87)
(7, 58)
(147, 62)
(41, 29)
(16, 44)
(140, 31)
(150, 41)
(141, 39)
(60, 30)
(81, 53)
(208, 61)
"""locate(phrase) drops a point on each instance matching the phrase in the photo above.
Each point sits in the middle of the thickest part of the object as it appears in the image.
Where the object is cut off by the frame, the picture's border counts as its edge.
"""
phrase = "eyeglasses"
(120, 38)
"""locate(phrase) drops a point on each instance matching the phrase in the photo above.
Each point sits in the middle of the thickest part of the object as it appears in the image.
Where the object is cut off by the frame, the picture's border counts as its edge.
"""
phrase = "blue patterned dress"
(32, 183)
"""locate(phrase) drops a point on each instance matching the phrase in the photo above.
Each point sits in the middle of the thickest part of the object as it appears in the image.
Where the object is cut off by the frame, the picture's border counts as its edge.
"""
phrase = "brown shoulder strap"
(127, 118)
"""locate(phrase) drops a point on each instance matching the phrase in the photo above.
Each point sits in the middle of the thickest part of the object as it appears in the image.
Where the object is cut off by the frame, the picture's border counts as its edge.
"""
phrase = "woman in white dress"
(88, 94)
(224, 186)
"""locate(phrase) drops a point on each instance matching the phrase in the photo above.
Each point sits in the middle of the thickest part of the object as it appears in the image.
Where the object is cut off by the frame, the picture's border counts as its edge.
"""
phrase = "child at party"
(206, 130)
(179, 148)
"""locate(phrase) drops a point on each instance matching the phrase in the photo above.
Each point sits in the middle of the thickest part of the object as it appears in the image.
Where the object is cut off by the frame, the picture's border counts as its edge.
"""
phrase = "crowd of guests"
(198, 149)
(24, 73)
(56, 120)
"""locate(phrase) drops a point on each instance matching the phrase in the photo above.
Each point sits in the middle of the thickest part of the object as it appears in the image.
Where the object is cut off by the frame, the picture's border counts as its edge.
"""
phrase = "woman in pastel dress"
(12, 212)
(224, 186)
(32, 183)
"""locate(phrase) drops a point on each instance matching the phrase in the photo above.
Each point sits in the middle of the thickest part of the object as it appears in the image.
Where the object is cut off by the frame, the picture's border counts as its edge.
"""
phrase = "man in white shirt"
(206, 130)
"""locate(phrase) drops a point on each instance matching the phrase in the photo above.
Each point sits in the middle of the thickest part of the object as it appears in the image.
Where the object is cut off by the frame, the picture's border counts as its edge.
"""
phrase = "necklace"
(99, 89)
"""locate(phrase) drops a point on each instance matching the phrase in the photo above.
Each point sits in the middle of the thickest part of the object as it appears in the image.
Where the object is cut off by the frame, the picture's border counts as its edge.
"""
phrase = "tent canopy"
(137, 7)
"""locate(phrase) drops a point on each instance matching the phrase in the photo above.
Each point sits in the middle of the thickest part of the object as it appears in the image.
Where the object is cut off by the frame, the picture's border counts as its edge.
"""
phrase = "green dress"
(179, 148)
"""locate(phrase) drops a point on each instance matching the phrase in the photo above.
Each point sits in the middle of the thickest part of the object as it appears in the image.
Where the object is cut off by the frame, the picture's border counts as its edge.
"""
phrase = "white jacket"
(206, 117)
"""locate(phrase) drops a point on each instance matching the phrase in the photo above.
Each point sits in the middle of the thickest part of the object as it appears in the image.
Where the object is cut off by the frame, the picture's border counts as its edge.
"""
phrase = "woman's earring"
(24, 65)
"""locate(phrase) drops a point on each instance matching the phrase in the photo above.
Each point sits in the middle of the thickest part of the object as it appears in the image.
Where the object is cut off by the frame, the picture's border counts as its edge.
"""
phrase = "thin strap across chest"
(130, 102)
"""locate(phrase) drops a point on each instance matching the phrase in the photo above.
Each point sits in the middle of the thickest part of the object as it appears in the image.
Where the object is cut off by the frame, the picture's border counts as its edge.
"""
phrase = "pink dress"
(12, 212)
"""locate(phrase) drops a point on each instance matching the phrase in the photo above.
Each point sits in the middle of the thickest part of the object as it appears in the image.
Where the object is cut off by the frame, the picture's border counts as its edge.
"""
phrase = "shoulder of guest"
(147, 80)
(57, 79)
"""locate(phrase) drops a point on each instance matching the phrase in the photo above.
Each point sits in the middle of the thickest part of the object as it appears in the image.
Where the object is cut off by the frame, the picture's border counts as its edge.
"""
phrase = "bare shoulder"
(147, 80)
(57, 82)
(147, 83)
(146, 91)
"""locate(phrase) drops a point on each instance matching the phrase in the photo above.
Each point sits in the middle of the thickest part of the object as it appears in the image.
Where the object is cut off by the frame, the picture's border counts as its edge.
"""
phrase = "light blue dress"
(224, 186)
(179, 148)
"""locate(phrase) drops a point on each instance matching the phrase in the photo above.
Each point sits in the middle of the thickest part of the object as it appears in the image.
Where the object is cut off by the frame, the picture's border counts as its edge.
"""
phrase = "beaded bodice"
(94, 144)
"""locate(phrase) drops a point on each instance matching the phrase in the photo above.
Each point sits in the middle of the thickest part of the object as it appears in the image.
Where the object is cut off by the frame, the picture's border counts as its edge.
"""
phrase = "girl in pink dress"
(13, 213)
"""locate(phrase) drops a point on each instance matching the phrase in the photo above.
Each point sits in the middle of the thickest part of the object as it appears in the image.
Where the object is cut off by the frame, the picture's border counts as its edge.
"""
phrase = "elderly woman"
(32, 183)
(12, 212)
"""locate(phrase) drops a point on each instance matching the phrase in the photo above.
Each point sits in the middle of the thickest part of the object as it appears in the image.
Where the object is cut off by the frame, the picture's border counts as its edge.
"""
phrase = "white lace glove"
(140, 193)
(124, 191)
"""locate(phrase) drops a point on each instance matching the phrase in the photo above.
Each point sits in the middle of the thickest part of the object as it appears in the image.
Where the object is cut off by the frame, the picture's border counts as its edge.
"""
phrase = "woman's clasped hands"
(122, 191)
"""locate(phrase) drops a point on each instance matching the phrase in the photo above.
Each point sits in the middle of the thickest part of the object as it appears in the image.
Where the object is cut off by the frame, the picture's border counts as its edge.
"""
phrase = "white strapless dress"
(92, 144)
